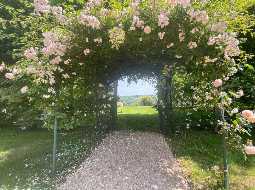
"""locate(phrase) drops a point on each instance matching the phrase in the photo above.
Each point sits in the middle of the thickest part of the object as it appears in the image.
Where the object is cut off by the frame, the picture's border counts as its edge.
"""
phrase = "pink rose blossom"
(199, 16)
(41, 6)
(56, 60)
(9, 76)
(52, 80)
(170, 45)
(147, 30)
(2, 67)
(135, 4)
(104, 12)
(24, 89)
(66, 76)
(98, 40)
(161, 35)
(137, 22)
(231, 50)
(239, 93)
(163, 20)
(230, 41)
(86, 51)
(66, 62)
(16, 71)
(217, 83)
(56, 10)
(89, 20)
(192, 45)
(209, 60)
(249, 115)
(92, 3)
(52, 44)
(219, 27)
(31, 54)
(211, 41)
(250, 149)
(252, 119)
(58, 13)
(194, 30)
(181, 36)
(183, 3)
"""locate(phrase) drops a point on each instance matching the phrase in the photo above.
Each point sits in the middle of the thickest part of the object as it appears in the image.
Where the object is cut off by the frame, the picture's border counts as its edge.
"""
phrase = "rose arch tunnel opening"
(137, 103)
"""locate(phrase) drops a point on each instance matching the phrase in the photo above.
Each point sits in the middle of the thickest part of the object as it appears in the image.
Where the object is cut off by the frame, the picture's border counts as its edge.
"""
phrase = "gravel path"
(128, 161)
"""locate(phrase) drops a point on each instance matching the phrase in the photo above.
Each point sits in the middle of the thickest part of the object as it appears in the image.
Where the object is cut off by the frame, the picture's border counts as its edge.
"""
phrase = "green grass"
(137, 110)
(200, 155)
(142, 118)
(26, 156)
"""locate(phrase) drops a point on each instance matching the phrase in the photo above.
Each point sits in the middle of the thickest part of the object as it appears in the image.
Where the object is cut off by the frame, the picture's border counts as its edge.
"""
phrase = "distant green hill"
(131, 100)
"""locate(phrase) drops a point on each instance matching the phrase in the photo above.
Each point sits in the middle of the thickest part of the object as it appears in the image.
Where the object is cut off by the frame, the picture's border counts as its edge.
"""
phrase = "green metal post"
(54, 146)
(225, 158)
(115, 108)
(225, 155)
(115, 104)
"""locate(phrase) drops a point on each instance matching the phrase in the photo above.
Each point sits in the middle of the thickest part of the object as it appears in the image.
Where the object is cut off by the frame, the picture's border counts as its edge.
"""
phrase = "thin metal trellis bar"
(225, 154)
(54, 146)
(115, 103)
(226, 169)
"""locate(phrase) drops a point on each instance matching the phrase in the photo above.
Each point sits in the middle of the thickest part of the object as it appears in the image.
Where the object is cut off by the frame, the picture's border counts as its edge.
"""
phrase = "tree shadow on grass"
(28, 164)
(138, 122)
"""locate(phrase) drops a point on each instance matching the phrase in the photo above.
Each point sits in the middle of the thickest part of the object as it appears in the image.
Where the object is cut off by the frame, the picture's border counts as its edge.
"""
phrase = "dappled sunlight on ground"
(200, 155)
(26, 156)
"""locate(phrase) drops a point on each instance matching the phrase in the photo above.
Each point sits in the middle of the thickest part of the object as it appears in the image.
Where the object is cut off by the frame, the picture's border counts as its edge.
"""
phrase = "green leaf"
(249, 67)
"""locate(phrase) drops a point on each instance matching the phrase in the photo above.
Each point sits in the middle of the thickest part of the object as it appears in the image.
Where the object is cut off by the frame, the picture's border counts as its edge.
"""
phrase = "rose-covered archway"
(92, 46)
(71, 62)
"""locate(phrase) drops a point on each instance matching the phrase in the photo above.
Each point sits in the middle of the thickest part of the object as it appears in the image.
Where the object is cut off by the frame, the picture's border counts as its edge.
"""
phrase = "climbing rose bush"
(77, 51)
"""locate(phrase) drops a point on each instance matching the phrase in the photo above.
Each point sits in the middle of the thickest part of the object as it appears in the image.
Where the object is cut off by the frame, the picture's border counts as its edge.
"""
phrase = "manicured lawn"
(143, 118)
(200, 155)
(137, 110)
(26, 156)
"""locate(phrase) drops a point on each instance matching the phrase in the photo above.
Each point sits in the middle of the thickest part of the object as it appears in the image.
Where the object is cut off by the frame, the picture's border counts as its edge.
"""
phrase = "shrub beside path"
(128, 161)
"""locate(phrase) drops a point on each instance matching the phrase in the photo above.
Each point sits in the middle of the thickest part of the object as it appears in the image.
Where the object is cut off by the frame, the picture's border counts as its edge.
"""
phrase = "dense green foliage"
(188, 88)
(135, 100)
(128, 100)
(146, 101)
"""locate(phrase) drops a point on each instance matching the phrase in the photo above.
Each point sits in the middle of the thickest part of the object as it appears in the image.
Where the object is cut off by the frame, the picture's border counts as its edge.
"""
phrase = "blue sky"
(140, 88)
